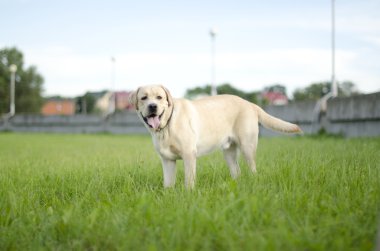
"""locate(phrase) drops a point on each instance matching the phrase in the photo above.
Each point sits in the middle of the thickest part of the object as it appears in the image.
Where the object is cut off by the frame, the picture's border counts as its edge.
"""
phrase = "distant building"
(58, 106)
(113, 101)
(275, 95)
(105, 103)
(122, 101)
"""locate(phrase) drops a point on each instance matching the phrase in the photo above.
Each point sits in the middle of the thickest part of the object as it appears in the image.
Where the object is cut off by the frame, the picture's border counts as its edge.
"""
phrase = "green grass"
(104, 192)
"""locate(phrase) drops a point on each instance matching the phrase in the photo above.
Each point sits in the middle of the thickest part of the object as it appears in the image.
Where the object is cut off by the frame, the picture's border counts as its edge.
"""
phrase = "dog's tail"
(276, 124)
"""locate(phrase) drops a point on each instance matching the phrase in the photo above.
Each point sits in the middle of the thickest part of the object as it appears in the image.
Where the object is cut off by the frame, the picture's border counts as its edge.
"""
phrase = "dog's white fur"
(184, 129)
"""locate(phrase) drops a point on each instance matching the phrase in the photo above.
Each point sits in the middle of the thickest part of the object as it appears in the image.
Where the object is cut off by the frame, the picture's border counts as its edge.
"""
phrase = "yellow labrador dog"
(184, 129)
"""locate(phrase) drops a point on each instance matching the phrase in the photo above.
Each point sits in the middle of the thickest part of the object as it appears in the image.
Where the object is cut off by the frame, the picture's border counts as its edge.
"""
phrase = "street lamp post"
(12, 108)
(334, 86)
(321, 105)
(213, 84)
(112, 107)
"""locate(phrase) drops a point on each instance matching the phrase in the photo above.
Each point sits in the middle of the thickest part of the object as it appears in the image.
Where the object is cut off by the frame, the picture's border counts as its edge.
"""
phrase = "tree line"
(314, 91)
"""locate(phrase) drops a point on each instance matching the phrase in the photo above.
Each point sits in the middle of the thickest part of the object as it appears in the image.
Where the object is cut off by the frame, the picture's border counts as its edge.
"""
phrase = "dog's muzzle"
(153, 120)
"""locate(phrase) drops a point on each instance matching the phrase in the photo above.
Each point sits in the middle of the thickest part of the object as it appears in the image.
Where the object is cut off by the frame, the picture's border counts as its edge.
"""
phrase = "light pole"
(334, 86)
(112, 106)
(113, 61)
(12, 109)
(213, 84)
(321, 105)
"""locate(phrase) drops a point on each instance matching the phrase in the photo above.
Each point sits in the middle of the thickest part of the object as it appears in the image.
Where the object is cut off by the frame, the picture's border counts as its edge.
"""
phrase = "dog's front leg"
(190, 162)
(169, 170)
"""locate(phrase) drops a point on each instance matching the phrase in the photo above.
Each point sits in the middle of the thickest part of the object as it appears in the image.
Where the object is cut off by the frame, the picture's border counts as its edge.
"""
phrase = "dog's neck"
(168, 117)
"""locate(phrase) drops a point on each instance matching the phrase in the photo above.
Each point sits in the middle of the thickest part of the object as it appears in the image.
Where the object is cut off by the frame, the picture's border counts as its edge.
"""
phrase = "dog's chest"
(166, 149)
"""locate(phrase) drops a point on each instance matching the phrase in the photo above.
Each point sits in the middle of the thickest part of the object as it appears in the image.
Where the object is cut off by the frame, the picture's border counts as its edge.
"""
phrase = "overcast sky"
(258, 42)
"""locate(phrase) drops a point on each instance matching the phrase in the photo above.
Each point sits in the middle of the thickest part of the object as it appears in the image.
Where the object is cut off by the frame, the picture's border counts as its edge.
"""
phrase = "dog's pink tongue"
(154, 122)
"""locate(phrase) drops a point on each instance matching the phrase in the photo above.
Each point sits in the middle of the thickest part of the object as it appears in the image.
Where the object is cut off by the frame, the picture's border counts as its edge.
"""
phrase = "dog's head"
(153, 104)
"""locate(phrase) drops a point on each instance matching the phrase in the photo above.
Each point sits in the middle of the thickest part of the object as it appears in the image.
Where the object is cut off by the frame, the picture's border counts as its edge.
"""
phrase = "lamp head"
(13, 68)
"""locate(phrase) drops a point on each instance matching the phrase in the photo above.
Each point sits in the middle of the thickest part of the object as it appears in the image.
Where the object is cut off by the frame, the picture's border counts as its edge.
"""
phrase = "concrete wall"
(357, 116)
(126, 122)
(300, 113)
(352, 117)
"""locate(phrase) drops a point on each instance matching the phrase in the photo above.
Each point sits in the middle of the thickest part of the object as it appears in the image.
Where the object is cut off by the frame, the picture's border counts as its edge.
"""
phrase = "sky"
(258, 43)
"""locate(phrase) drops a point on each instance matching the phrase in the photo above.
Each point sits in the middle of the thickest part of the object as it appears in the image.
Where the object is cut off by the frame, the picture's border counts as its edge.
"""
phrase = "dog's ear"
(169, 97)
(133, 98)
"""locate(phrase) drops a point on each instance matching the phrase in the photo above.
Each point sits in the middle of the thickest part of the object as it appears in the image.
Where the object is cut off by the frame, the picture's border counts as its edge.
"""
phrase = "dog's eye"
(144, 98)
(159, 97)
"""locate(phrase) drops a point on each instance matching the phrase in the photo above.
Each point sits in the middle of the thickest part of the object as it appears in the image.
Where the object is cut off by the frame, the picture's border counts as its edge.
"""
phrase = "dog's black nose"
(152, 107)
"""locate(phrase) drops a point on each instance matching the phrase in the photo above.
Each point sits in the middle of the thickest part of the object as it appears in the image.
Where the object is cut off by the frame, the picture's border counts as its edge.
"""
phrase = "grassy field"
(104, 192)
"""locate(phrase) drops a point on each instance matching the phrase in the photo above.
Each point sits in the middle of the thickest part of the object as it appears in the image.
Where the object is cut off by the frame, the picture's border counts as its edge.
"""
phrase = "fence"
(356, 116)
(352, 117)
(119, 123)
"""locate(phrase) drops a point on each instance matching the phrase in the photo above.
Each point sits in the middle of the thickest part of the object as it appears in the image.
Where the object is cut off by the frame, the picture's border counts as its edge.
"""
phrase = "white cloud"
(293, 67)
(374, 40)
(70, 73)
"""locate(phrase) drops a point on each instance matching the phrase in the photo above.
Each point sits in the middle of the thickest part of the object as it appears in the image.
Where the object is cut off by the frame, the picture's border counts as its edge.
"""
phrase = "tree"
(86, 103)
(221, 89)
(348, 88)
(313, 92)
(318, 90)
(198, 91)
(28, 87)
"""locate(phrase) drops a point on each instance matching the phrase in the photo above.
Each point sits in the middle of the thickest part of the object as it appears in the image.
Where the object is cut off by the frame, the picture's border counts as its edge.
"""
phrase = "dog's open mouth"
(153, 120)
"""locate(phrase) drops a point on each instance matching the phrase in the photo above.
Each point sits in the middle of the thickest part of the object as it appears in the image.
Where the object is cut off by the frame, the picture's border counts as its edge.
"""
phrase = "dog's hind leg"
(231, 156)
(248, 137)
(248, 147)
